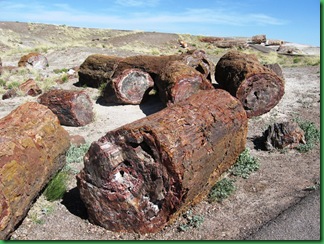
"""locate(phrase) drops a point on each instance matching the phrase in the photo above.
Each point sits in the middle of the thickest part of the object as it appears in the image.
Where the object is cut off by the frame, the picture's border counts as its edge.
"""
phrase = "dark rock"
(283, 135)
(10, 94)
(32, 149)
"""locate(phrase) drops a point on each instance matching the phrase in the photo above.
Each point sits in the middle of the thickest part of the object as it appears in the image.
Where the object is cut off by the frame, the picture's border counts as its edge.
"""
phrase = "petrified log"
(33, 60)
(128, 86)
(32, 150)
(97, 69)
(73, 108)
(142, 175)
(179, 81)
(258, 39)
(283, 135)
(100, 69)
(256, 86)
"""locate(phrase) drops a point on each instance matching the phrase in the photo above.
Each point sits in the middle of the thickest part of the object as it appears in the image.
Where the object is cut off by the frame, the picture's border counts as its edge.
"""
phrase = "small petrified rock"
(9, 94)
(283, 135)
(33, 60)
(32, 149)
(30, 88)
(73, 108)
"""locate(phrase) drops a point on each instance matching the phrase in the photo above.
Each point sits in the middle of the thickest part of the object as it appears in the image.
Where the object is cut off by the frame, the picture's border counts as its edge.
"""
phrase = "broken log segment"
(32, 149)
(73, 108)
(257, 87)
(97, 69)
(144, 174)
(179, 81)
(128, 86)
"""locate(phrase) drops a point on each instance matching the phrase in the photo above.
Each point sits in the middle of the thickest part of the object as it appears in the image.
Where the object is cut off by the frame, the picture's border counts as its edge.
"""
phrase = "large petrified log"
(179, 81)
(73, 108)
(32, 150)
(99, 70)
(256, 86)
(142, 175)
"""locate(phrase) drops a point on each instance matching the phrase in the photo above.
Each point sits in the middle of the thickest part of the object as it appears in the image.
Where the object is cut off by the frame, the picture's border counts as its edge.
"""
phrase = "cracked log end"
(260, 93)
(256, 86)
(141, 176)
(128, 87)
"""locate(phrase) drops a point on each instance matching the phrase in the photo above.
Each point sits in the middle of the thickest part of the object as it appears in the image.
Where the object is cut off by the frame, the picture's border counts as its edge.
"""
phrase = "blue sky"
(289, 20)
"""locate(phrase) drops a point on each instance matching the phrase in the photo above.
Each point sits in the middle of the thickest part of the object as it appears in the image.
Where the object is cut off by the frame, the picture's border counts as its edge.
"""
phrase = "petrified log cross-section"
(32, 149)
(142, 175)
(256, 86)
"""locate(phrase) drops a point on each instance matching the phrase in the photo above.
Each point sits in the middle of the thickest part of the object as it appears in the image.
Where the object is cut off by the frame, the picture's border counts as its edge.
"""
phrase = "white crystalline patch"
(119, 178)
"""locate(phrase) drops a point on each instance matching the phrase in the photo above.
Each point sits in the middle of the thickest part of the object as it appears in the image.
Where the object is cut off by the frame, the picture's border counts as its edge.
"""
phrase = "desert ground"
(284, 178)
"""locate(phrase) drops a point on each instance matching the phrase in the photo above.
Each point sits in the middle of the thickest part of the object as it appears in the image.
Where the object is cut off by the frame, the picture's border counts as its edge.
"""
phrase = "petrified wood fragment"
(142, 175)
(128, 86)
(33, 60)
(283, 135)
(179, 81)
(73, 108)
(32, 150)
(256, 86)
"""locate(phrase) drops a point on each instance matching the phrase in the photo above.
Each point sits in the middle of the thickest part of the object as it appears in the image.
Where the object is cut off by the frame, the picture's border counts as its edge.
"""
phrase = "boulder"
(32, 150)
(73, 108)
(33, 60)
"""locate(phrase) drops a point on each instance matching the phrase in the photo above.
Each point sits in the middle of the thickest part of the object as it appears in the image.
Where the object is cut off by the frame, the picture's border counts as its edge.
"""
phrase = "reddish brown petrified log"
(142, 175)
(276, 68)
(128, 86)
(97, 69)
(32, 150)
(73, 108)
(179, 81)
(100, 69)
(256, 86)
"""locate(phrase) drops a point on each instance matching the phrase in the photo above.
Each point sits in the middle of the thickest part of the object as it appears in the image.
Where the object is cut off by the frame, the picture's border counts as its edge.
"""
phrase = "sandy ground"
(281, 181)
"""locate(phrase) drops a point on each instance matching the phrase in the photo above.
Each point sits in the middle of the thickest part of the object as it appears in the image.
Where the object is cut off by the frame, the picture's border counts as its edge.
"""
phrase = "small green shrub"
(75, 154)
(57, 71)
(312, 135)
(2, 82)
(56, 187)
(245, 165)
(193, 221)
(221, 190)
(13, 84)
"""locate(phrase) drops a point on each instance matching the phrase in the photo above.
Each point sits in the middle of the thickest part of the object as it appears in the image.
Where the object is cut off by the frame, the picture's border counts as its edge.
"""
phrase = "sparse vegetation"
(245, 164)
(312, 135)
(56, 187)
(193, 221)
(75, 154)
(221, 190)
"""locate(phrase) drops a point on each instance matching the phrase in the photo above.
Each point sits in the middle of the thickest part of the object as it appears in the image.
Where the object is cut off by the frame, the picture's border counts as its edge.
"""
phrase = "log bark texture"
(97, 69)
(179, 81)
(73, 108)
(257, 87)
(32, 150)
(142, 175)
